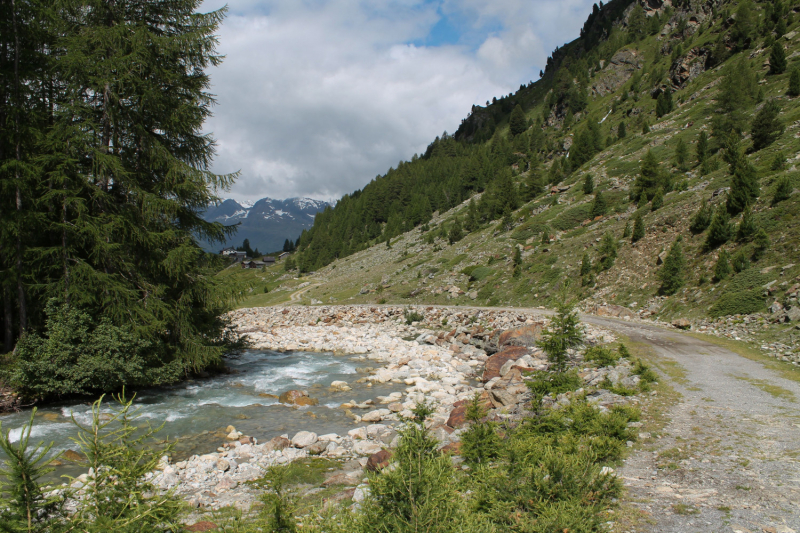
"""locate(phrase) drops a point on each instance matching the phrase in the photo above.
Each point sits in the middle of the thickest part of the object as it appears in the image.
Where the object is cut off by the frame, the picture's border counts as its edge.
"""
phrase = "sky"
(315, 98)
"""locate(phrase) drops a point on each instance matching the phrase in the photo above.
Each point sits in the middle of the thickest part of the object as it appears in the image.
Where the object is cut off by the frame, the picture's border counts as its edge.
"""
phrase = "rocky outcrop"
(618, 71)
(688, 67)
(298, 398)
(526, 335)
(496, 362)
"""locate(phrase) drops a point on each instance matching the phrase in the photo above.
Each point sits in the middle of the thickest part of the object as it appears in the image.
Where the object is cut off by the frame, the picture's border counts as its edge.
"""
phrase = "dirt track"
(729, 459)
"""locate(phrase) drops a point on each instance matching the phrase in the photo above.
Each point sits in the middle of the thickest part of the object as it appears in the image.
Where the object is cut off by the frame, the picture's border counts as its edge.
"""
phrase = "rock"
(230, 429)
(378, 461)
(506, 368)
(290, 397)
(365, 447)
(267, 395)
(72, 456)
(473, 295)
(454, 448)
(681, 323)
(496, 362)
(376, 416)
(51, 417)
(613, 311)
(687, 68)
(223, 465)
(661, 258)
(525, 336)
(360, 494)
(340, 386)
(502, 398)
(775, 308)
(395, 407)
(305, 401)
(278, 443)
(226, 483)
(619, 70)
(304, 439)
(247, 440)
(793, 314)
(202, 526)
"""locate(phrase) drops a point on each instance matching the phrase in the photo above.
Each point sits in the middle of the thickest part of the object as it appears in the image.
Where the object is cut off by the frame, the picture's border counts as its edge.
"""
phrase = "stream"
(195, 413)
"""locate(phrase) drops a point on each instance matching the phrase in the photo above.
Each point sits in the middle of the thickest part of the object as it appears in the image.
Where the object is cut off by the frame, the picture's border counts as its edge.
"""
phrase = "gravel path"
(729, 458)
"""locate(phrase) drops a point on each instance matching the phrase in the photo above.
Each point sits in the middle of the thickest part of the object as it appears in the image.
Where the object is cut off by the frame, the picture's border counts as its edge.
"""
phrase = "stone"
(378, 461)
(305, 401)
(234, 435)
(375, 416)
(454, 448)
(793, 314)
(661, 257)
(290, 397)
(775, 308)
(618, 71)
(277, 443)
(526, 335)
(365, 447)
(395, 407)
(225, 484)
(496, 362)
(502, 398)
(616, 311)
(304, 439)
(681, 323)
(688, 67)
(340, 386)
(223, 465)
(72, 456)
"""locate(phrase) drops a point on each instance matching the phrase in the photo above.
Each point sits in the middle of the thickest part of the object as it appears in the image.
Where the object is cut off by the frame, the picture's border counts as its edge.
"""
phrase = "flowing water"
(195, 413)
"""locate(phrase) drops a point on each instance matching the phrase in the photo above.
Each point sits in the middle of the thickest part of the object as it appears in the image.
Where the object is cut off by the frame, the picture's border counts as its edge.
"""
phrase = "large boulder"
(618, 71)
(689, 66)
(527, 335)
(277, 443)
(496, 362)
(378, 461)
(616, 311)
(297, 397)
(304, 439)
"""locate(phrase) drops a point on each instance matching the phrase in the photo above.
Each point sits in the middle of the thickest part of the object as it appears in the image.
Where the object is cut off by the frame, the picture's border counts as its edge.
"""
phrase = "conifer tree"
(766, 127)
(456, 233)
(722, 269)
(664, 104)
(599, 206)
(607, 252)
(564, 332)
(626, 233)
(702, 147)
(747, 226)
(534, 184)
(517, 261)
(586, 265)
(645, 128)
(638, 228)
(719, 231)
(480, 443)
(737, 93)
(658, 199)
(588, 184)
(650, 177)
(794, 83)
(777, 59)
(517, 122)
(621, 130)
(783, 190)
(762, 244)
(681, 154)
(702, 218)
(744, 189)
(672, 271)
(471, 223)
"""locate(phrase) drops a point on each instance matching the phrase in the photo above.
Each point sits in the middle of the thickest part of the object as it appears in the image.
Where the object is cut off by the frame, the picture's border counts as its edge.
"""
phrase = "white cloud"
(317, 97)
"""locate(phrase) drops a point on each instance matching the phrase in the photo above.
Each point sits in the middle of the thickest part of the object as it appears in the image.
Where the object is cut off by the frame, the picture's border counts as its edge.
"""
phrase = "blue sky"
(317, 97)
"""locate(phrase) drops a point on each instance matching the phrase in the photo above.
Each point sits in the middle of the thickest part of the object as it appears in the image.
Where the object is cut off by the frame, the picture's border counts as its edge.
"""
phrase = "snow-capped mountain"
(266, 223)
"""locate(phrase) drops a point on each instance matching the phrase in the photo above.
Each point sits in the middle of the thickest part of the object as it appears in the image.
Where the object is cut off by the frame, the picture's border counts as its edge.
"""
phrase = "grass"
(773, 390)
(683, 509)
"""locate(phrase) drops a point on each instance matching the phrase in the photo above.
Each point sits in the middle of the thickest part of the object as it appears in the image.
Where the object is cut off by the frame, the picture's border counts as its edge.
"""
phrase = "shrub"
(762, 244)
(78, 356)
(738, 303)
(607, 252)
(599, 206)
(739, 262)
(542, 383)
(720, 230)
(638, 228)
(794, 83)
(623, 351)
(480, 443)
(588, 184)
(601, 356)
(644, 372)
(747, 227)
(766, 127)
(783, 190)
(481, 273)
(412, 316)
(777, 58)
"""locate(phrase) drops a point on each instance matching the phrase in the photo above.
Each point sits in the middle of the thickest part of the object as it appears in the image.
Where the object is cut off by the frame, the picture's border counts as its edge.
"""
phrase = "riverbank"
(444, 357)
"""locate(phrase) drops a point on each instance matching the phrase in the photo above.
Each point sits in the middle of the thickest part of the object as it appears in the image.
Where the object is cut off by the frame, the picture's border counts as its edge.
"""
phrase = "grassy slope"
(412, 265)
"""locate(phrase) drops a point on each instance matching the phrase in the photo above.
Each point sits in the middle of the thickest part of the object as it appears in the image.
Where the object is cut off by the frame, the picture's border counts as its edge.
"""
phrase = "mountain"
(266, 223)
(652, 169)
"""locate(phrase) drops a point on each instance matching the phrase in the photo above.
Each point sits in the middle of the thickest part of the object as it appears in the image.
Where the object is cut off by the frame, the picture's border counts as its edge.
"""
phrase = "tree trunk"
(23, 310)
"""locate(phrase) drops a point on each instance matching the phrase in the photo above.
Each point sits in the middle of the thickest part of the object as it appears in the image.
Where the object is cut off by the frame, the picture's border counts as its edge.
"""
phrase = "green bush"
(738, 303)
(572, 217)
(542, 383)
(78, 356)
(601, 356)
(644, 372)
(481, 273)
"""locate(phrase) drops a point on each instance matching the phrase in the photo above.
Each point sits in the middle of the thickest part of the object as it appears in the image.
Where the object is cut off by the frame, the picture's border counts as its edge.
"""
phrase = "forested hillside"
(652, 167)
(103, 173)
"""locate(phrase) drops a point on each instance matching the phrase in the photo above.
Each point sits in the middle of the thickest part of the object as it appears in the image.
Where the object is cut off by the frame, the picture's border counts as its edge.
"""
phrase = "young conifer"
(719, 231)
(794, 83)
(607, 252)
(702, 218)
(588, 184)
(762, 244)
(747, 226)
(722, 269)
(681, 154)
(621, 130)
(777, 58)
(626, 233)
(564, 332)
(702, 147)
(767, 126)
(586, 265)
(638, 228)
(672, 271)
(599, 206)
(783, 190)
(658, 199)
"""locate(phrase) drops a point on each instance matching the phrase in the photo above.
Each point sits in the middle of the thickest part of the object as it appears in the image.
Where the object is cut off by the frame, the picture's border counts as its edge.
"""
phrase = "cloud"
(317, 97)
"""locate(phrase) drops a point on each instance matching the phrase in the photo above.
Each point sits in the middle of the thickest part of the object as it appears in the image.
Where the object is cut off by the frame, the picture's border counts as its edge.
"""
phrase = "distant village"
(240, 256)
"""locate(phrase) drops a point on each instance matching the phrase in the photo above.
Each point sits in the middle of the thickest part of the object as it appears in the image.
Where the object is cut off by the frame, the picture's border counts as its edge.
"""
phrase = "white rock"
(376, 416)
(304, 439)
(340, 386)
(365, 447)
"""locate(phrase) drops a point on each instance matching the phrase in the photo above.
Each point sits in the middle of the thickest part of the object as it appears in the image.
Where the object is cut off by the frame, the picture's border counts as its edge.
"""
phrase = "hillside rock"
(495, 363)
(687, 68)
(524, 336)
(618, 71)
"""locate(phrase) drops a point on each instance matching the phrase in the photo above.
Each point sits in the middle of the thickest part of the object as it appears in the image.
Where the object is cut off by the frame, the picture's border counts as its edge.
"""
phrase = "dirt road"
(729, 459)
